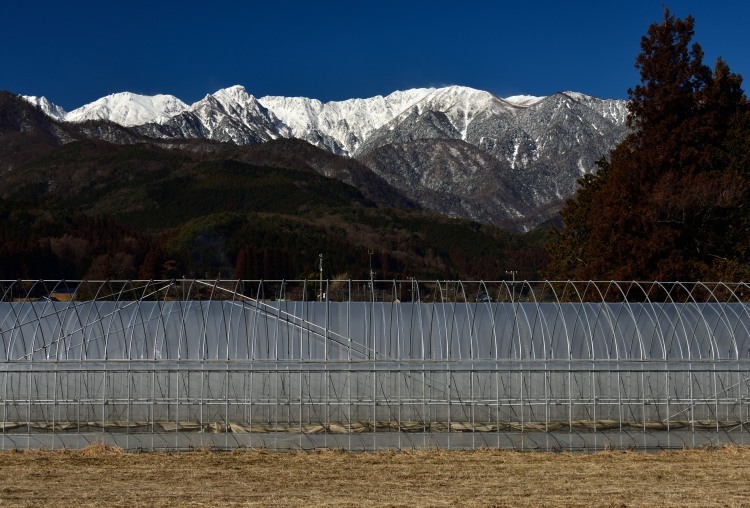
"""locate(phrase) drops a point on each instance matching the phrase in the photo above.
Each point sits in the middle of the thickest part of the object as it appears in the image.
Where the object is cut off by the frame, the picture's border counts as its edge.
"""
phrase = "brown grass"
(103, 476)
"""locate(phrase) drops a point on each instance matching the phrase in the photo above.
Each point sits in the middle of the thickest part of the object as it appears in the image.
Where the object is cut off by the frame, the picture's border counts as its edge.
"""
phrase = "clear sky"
(75, 52)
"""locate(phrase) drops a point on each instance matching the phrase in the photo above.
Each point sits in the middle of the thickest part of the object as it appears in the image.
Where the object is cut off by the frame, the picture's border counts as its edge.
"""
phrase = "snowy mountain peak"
(129, 109)
(234, 94)
(46, 106)
(577, 96)
(523, 101)
(459, 90)
(340, 126)
(234, 101)
(465, 97)
(229, 115)
(461, 106)
(459, 96)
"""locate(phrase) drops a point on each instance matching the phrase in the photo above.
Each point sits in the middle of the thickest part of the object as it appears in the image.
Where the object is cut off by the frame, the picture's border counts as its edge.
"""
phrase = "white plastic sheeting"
(242, 330)
(528, 369)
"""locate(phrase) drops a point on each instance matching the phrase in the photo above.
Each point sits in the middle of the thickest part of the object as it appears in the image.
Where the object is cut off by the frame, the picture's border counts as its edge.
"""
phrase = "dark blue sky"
(75, 52)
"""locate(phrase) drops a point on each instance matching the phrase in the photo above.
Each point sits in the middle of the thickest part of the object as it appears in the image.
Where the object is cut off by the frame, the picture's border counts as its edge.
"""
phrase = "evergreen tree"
(568, 255)
(666, 208)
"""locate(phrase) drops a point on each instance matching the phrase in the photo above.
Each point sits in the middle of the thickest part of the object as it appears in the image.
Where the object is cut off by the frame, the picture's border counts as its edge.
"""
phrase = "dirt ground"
(100, 476)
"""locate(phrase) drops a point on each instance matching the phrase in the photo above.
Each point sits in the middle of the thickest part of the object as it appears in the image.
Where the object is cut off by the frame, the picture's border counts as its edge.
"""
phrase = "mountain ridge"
(534, 149)
(75, 206)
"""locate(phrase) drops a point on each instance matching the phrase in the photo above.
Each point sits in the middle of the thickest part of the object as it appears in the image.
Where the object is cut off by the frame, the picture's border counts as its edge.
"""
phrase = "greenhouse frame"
(369, 365)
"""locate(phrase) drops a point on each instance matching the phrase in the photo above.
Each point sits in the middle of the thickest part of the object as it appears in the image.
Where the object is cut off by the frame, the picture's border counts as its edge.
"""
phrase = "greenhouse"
(367, 365)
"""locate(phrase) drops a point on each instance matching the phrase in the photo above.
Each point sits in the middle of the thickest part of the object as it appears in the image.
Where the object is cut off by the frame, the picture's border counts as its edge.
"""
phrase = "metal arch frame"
(740, 322)
(722, 317)
(458, 321)
(489, 355)
(569, 348)
(694, 304)
(604, 311)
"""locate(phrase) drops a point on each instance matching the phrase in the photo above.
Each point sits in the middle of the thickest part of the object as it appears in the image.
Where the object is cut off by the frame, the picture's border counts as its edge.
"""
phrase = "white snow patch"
(523, 100)
(50, 109)
(581, 167)
(129, 109)
(516, 146)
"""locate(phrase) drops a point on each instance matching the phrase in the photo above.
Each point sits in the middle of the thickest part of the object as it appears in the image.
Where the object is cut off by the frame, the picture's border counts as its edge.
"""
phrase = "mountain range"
(454, 150)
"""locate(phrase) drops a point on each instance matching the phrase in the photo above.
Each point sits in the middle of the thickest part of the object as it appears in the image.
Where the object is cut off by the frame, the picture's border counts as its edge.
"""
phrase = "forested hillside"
(92, 209)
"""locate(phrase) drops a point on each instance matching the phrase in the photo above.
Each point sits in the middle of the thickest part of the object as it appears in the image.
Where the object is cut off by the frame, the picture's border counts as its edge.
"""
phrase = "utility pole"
(320, 295)
(512, 273)
(372, 274)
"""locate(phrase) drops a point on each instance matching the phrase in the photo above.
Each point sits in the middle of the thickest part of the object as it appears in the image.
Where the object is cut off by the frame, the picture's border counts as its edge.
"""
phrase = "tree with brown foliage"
(669, 203)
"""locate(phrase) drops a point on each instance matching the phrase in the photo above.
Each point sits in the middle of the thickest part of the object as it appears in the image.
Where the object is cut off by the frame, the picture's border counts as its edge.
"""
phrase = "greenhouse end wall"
(194, 364)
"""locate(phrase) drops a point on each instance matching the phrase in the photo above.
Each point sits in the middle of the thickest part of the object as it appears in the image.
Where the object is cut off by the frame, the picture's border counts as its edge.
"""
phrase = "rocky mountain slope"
(455, 150)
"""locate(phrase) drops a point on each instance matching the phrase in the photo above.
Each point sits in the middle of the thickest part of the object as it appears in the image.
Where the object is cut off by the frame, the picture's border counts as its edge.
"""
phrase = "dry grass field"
(101, 476)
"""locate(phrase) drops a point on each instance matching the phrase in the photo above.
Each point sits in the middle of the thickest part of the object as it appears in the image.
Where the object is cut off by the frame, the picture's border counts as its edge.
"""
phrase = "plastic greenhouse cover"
(350, 331)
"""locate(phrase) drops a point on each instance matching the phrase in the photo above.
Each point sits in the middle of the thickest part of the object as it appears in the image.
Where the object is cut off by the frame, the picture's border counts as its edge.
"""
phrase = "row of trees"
(250, 246)
(671, 201)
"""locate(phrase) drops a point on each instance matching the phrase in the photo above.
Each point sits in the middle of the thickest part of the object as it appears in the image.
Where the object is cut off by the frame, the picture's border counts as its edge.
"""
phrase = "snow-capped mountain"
(340, 126)
(457, 150)
(129, 109)
(468, 153)
(45, 105)
(230, 115)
